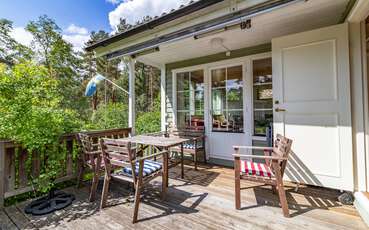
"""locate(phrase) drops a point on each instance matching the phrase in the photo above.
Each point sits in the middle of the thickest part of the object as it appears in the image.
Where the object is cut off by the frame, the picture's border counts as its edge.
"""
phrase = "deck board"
(203, 200)
(5, 222)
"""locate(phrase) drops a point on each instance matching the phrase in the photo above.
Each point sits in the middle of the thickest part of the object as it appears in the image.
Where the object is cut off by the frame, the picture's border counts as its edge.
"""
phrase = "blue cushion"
(191, 145)
(149, 168)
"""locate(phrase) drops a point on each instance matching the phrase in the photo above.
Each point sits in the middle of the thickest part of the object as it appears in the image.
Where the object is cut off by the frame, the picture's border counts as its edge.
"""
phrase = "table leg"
(165, 175)
(167, 163)
(182, 163)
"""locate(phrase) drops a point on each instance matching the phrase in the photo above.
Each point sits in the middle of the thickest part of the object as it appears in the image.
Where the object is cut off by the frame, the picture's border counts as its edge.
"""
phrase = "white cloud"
(77, 40)
(135, 10)
(22, 36)
(73, 29)
(77, 36)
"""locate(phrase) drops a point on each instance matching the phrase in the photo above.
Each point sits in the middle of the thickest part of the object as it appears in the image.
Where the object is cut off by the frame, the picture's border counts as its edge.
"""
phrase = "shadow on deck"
(204, 199)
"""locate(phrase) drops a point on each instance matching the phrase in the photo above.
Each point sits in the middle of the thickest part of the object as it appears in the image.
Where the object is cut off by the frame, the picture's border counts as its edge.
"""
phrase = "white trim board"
(359, 11)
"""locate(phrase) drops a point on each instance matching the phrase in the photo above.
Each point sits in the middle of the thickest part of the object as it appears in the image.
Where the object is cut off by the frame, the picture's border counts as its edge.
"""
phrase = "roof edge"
(191, 8)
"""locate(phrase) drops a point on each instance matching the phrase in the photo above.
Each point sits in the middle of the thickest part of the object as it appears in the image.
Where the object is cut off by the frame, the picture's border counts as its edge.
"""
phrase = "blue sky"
(91, 14)
(78, 18)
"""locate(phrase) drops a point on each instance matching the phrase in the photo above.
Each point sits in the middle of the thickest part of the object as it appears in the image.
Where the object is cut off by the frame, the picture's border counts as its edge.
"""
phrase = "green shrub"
(31, 114)
(112, 115)
(148, 122)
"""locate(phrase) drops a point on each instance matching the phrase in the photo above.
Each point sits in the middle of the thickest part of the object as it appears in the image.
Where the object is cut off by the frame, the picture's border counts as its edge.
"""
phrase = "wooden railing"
(18, 166)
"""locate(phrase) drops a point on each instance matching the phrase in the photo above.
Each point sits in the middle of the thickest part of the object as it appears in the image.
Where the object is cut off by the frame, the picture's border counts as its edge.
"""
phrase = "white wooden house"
(243, 68)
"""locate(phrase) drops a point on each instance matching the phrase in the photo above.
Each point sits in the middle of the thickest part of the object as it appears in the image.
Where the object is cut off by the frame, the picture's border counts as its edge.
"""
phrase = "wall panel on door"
(311, 91)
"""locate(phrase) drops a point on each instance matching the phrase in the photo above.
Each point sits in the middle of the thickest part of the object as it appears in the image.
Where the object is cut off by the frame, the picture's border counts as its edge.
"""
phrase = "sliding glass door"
(228, 95)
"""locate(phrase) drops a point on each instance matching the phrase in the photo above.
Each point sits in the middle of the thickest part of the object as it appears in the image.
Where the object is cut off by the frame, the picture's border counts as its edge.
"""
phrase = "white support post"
(357, 106)
(163, 98)
(132, 96)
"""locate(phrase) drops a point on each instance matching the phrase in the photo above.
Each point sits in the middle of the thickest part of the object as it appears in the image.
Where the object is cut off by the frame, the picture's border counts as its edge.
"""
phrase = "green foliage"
(113, 115)
(59, 59)
(29, 106)
(30, 113)
(42, 93)
(149, 122)
(10, 50)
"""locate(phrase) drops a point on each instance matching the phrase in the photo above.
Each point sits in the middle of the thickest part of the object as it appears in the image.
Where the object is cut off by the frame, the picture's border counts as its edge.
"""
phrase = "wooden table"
(163, 144)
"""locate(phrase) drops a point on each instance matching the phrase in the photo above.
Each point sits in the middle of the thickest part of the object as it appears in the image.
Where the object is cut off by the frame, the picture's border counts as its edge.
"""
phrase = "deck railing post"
(2, 174)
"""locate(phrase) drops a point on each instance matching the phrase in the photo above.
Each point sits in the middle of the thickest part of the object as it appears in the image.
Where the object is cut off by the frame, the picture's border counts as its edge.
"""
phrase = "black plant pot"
(55, 200)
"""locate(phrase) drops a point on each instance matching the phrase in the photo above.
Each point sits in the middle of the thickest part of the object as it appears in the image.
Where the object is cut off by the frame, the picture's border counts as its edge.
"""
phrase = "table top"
(159, 141)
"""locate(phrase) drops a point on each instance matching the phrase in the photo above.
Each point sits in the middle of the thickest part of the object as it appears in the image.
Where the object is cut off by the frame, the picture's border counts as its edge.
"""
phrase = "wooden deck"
(203, 200)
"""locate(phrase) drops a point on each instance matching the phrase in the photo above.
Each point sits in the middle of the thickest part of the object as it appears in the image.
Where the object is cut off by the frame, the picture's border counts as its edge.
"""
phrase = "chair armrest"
(139, 159)
(260, 157)
(253, 147)
(199, 137)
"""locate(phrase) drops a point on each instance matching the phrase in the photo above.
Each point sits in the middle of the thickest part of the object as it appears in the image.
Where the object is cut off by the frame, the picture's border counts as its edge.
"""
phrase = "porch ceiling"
(294, 18)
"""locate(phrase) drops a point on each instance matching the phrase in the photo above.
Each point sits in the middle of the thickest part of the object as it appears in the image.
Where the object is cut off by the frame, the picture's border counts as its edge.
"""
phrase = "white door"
(229, 120)
(311, 91)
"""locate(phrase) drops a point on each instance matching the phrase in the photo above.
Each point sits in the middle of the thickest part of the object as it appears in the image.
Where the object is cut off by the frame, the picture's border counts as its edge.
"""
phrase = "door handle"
(280, 110)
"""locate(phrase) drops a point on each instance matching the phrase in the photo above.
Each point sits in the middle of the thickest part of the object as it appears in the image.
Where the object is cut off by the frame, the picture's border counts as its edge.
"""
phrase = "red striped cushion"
(255, 169)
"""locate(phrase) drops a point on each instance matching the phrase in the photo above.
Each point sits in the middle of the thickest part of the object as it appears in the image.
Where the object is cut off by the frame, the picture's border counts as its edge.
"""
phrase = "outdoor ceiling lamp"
(92, 85)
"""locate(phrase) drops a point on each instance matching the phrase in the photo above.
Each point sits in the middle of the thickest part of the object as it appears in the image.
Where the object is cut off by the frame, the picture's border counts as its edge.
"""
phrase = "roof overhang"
(181, 12)
(199, 16)
(184, 41)
(236, 18)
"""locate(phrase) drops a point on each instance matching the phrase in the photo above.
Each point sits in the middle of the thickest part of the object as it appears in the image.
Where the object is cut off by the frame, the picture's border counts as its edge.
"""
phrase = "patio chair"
(196, 144)
(271, 172)
(90, 158)
(133, 168)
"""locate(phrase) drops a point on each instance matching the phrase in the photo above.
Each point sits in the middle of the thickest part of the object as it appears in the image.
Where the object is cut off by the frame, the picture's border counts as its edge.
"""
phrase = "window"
(263, 96)
(227, 99)
(190, 99)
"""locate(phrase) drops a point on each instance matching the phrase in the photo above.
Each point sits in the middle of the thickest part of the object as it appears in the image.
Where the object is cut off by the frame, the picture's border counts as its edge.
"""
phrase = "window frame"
(191, 92)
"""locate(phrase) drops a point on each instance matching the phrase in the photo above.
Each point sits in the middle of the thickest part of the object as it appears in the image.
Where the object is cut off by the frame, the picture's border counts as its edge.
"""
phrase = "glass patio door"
(227, 99)
(227, 111)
